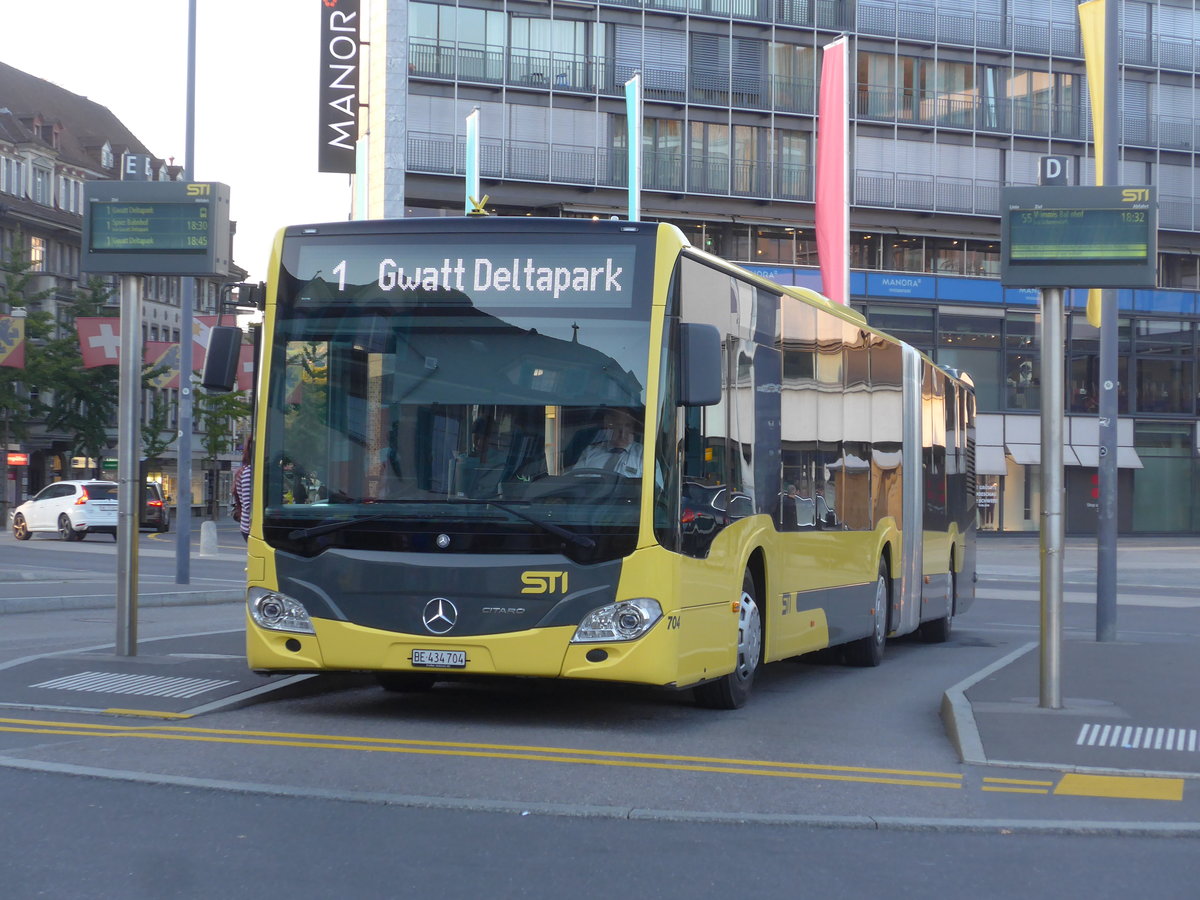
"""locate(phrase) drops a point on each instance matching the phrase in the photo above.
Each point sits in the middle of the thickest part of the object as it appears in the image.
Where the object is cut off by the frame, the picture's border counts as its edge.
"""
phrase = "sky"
(256, 95)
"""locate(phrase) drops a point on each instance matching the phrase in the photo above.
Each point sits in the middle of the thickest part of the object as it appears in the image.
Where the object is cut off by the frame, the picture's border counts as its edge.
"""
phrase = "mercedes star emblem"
(440, 615)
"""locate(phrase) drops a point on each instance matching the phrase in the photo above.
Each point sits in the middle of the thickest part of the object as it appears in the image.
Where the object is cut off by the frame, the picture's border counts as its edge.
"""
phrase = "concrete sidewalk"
(1128, 707)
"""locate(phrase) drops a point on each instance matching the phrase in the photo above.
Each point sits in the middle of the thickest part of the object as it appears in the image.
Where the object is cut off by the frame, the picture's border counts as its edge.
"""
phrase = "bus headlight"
(279, 612)
(624, 621)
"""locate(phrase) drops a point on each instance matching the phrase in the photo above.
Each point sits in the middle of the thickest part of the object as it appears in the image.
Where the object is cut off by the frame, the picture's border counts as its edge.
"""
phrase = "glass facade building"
(950, 100)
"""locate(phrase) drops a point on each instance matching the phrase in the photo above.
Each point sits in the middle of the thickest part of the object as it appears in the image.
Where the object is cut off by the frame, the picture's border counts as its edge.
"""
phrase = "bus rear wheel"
(937, 631)
(867, 652)
(733, 690)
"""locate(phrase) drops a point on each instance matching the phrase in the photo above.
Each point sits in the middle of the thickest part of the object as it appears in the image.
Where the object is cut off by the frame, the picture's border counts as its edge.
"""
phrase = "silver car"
(72, 509)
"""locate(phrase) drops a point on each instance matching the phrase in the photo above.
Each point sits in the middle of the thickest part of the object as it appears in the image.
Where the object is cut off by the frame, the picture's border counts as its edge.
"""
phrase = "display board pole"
(129, 440)
(1052, 498)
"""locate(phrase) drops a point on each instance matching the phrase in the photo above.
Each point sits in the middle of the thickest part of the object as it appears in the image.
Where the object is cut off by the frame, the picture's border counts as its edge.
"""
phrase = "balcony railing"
(573, 73)
(602, 167)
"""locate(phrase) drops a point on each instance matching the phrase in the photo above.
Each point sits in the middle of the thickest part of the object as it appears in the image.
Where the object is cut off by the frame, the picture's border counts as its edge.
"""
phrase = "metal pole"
(183, 490)
(1052, 497)
(129, 444)
(1106, 526)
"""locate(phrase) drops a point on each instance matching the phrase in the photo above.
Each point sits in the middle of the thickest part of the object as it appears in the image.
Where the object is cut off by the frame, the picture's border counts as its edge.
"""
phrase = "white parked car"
(72, 509)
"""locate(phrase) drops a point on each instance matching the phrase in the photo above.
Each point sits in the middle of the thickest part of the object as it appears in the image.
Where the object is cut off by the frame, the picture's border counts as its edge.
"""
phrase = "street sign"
(109, 465)
(156, 228)
(1084, 237)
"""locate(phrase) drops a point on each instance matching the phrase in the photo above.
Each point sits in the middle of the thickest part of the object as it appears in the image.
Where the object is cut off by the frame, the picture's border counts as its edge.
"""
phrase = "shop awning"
(1025, 454)
(989, 460)
(1031, 454)
(1089, 456)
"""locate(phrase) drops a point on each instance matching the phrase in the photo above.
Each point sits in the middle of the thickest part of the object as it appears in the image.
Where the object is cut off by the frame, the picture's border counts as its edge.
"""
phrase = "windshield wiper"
(578, 540)
(301, 533)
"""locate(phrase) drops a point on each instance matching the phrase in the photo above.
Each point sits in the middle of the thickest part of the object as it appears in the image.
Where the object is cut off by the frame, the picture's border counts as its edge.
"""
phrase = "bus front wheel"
(731, 691)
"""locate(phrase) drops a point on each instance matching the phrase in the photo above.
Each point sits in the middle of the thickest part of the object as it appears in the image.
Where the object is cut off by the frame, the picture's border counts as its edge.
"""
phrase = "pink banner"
(832, 183)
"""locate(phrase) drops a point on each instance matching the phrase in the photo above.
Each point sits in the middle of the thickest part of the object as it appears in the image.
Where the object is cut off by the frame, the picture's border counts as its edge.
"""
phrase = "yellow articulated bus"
(567, 448)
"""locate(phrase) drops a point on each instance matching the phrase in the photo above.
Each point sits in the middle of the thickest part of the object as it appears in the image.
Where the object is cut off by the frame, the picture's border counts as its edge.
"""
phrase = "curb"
(108, 601)
(581, 811)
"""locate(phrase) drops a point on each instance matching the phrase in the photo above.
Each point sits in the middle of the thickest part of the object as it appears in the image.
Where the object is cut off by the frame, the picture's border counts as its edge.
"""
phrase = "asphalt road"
(534, 788)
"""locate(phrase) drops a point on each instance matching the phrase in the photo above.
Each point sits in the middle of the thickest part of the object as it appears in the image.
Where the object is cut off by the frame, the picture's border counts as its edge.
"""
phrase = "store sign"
(18, 459)
(338, 114)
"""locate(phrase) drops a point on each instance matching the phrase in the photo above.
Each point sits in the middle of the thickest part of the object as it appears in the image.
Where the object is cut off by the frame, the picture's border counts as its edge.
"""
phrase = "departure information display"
(1085, 237)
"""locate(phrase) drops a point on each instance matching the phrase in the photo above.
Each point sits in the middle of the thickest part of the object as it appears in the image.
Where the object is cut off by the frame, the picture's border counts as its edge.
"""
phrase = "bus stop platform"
(178, 678)
(1127, 708)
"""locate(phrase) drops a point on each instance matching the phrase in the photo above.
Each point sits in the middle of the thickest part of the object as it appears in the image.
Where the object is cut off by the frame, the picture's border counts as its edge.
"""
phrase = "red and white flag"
(245, 372)
(832, 194)
(99, 341)
(201, 331)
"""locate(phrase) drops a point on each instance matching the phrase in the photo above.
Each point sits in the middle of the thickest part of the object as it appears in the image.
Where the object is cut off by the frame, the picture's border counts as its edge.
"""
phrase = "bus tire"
(867, 652)
(733, 690)
(937, 631)
(405, 682)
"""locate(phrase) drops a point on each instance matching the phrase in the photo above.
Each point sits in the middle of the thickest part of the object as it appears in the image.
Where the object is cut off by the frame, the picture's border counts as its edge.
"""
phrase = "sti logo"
(543, 582)
(199, 190)
(1135, 195)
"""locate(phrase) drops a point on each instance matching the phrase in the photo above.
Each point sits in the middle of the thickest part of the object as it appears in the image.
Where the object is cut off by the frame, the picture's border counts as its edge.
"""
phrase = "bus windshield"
(479, 396)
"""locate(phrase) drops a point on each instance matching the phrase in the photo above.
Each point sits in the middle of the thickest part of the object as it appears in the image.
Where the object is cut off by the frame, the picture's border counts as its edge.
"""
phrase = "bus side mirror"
(699, 365)
(221, 361)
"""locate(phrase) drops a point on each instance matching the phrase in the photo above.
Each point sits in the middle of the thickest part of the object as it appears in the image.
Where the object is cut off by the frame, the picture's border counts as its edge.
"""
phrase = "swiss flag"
(99, 341)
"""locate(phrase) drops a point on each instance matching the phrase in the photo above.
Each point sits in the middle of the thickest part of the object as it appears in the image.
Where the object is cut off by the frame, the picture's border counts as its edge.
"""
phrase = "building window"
(971, 343)
(43, 186)
(37, 254)
(1083, 366)
(1022, 362)
(1165, 360)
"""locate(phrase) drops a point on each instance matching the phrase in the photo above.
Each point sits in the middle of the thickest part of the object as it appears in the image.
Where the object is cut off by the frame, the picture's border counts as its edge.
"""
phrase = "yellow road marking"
(1019, 781)
(146, 713)
(1015, 790)
(1016, 786)
(765, 768)
(1123, 786)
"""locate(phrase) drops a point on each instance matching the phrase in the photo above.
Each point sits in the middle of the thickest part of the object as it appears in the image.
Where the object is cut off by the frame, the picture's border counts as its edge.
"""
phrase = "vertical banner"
(1091, 30)
(12, 341)
(471, 162)
(340, 66)
(633, 115)
(832, 190)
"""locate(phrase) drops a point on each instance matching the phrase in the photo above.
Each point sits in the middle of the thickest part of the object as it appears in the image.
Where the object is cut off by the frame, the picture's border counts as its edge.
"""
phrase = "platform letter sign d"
(1052, 170)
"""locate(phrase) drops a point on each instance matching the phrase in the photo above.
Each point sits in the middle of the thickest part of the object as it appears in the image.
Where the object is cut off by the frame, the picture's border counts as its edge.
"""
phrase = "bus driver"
(615, 447)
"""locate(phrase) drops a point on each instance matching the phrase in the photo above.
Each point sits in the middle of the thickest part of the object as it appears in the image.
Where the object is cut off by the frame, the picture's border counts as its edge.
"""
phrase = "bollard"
(208, 538)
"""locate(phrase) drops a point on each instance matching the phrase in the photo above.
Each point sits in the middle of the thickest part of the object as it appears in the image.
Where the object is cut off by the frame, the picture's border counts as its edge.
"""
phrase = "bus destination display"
(149, 227)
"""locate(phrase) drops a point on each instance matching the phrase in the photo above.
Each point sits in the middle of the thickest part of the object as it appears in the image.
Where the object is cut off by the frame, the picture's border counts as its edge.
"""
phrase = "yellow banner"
(1091, 28)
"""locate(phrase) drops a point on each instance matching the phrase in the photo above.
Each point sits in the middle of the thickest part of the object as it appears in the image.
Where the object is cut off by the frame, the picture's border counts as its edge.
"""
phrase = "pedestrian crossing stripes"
(145, 685)
(1137, 737)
